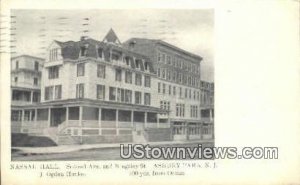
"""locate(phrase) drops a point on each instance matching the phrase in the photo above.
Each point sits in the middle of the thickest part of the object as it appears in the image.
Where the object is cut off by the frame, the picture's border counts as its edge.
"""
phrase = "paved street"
(88, 155)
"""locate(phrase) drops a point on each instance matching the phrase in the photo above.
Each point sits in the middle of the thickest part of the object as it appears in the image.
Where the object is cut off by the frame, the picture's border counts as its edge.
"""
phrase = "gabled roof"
(28, 56)
(111, 37)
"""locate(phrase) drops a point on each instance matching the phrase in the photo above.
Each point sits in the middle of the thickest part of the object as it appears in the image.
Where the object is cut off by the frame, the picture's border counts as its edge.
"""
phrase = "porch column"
(117, 121)
(12, 92)
(35, 116)
(80, 123)
(80, 116)
(210, 115)
(213, 130)
(22, 117)
(145, 119)
(67, 116)
(201, 130)
(187, 130)
(31, 96)
(132, 118)
(49, 117)
(99, 121)
(99, 117)
(157, 121)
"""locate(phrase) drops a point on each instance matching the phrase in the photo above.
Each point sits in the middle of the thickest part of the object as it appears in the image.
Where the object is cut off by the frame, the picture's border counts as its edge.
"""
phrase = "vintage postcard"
(196, 92)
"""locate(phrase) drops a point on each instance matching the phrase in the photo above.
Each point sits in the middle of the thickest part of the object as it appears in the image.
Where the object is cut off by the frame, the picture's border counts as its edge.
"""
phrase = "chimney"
(82, 38)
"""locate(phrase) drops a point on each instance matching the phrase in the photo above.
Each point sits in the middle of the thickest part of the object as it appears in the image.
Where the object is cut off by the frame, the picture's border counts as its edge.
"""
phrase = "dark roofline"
(24, 55)
(157, 41)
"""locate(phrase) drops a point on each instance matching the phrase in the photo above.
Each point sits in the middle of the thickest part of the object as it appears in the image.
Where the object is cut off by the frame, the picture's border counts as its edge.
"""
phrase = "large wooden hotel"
(91, 91)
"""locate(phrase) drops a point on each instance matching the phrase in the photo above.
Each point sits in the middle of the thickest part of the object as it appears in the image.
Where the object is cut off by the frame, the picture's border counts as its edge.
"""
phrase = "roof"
(28, 56)
(92, 102)
(161, 42)
(71, 50)
(111, 37)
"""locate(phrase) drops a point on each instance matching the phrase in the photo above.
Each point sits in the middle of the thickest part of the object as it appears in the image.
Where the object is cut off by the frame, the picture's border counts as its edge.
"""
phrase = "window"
(128, 77)
(180, 109)
(118, 75)
(146, 66)
(53, 72)
(194, 111)
(49, 93)
(137, 64)
(53, 54)
(128, 96)
(17, 64)
(147, 99)
(190, 94)
(158, 72)
(170, 89)
(159, 57)
(101, 92)
(174, 91)
(174, 76)
(194, 95)
(35, 81)
(186, 93)
(16, 79)
(163, 73)
(80, 91)
(164, 88)
(180, 92)
(36, 97)
(16, 115)
(36, 65)
(57, 92)
(158, 88)
(127, 60)
(100, 52)
(121, 95)
(138, 79)
(112, 93)
(138, 97)
(168, 60)
(163, 58)
(80, 69)
(168, 75)
(147, 81)
(100, 71)
(165, 105)
(27, 115)
(83, 51)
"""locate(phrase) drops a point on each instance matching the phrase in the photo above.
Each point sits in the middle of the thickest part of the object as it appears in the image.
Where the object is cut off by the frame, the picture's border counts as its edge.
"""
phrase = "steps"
(51, 132)
(138, 137)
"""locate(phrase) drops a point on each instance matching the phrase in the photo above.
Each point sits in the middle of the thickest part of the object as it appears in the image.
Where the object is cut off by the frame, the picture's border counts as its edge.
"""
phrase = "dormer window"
(132, 44)
(83, 51)
(137, 63)
(36, 65)
(127, 61)
(146, 66)
(100, 52)
(115, 57)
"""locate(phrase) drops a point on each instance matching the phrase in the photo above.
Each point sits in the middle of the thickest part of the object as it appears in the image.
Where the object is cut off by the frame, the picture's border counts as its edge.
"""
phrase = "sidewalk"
(73, 148)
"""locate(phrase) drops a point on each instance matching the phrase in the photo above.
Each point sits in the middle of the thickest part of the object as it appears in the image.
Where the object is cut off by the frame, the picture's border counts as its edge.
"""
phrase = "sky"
(191, 30)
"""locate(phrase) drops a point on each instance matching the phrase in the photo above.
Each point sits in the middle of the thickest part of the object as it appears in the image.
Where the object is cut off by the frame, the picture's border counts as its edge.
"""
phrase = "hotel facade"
(105, 91)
